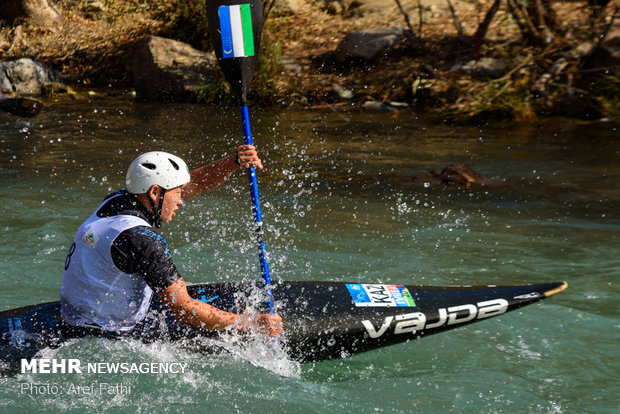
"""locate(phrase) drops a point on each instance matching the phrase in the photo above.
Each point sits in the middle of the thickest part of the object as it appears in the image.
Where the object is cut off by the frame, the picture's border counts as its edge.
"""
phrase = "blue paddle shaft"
(258, 218)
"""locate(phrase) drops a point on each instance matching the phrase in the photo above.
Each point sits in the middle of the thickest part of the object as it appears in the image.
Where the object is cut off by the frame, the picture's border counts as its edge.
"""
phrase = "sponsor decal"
(532, 295)
(204, 298)
(380, 295)
(90, 239)
(18, 335)
(153, 235)
(236, 31)
(417, 321)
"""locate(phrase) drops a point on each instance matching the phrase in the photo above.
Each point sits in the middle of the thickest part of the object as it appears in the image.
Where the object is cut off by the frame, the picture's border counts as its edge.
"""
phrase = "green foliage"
(269, 60)
(608, 90)
(268, 82)
(488, 101)
(214, 91)
(608, 86)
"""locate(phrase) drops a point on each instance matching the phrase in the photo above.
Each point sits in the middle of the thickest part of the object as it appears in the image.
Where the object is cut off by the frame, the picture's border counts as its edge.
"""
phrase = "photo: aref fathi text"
(95, 388)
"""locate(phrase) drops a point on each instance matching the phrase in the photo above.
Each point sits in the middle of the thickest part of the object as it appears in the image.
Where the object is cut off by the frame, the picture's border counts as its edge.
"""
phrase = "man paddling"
(118, 260)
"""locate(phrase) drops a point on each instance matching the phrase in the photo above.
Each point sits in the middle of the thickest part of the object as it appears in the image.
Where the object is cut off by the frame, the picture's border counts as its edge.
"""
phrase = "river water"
(339, 205)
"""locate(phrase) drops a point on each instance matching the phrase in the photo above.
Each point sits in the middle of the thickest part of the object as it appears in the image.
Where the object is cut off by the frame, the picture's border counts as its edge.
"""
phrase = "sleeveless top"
(93, 291)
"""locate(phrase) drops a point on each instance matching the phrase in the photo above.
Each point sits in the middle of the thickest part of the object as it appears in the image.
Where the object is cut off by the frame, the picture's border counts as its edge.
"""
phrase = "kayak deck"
(322, 320)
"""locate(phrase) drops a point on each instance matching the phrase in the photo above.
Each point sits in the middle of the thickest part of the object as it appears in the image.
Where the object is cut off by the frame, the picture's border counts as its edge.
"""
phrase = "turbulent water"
(339, 204)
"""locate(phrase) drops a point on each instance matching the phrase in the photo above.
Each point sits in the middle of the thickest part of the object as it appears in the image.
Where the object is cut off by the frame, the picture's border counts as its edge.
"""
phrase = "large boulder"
(368, 44)
(364, 7)
(37, 12)
(286, 7)
(27, 77)
(355, 8)
(169, 70)
(486, 67)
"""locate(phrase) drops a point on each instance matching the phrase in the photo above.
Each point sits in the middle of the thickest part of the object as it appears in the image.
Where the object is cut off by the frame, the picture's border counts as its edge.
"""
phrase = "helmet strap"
(157, 209)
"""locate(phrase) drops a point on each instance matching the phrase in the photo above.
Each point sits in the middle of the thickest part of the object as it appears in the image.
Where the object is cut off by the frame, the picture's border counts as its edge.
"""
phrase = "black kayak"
(322, 320)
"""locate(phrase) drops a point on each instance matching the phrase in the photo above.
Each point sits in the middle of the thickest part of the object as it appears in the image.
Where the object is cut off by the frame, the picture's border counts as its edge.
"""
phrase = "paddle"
(235, 27)
(24, 107)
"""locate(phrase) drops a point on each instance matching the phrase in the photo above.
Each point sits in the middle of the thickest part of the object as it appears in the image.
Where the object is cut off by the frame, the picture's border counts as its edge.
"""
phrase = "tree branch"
(488, 18)
(406, 16)
(455, 18)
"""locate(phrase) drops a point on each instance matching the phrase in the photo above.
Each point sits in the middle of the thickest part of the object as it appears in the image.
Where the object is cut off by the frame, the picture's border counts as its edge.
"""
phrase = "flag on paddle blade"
(236, 31)
(235, 27)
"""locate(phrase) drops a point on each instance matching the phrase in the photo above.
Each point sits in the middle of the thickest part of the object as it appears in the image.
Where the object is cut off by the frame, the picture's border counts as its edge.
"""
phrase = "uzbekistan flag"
(236, 30)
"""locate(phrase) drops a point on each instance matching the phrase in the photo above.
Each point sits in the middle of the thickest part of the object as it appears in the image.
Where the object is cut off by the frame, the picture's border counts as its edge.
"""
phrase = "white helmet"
(156, 168)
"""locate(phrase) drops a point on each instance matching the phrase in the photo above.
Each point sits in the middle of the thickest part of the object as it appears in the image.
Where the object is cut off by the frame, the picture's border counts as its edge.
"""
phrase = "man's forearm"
(194, 312)
(210, 176)
(204, 316)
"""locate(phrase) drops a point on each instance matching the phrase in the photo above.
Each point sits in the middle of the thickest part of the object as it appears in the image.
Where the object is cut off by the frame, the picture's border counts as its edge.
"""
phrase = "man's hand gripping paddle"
(235, 27)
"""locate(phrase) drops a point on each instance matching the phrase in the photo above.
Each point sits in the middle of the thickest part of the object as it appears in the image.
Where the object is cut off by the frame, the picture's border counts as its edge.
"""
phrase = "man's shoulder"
(142, 249)
(143, 239)
(122, 203)
(117, 203)
(147, 232)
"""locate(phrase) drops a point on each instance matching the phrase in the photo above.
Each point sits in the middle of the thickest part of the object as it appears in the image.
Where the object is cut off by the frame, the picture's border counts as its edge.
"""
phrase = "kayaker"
(118, 260)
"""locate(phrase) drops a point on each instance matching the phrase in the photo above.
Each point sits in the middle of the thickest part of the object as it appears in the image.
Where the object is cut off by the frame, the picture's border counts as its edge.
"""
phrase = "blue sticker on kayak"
(380, 295)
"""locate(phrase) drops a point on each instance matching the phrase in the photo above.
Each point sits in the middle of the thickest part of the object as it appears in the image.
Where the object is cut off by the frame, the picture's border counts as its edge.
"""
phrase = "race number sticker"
(380, 295)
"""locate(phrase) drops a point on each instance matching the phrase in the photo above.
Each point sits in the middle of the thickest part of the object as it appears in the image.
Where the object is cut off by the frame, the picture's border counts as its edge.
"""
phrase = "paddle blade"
(24, 107)
(235, 27)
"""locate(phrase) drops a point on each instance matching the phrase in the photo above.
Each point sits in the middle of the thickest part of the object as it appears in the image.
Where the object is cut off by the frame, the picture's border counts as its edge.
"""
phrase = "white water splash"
(260, 351)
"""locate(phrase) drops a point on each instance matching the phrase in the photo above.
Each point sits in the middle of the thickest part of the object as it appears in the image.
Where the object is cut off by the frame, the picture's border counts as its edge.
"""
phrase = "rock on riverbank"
(169, 70)
(27, 77)
(426, 54)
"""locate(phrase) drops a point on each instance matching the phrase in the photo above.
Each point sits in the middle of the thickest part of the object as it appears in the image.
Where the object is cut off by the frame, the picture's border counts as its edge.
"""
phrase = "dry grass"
(95, 50)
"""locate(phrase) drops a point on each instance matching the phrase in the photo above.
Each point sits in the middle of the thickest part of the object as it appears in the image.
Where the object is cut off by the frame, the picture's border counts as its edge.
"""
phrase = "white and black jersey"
(115, 263)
